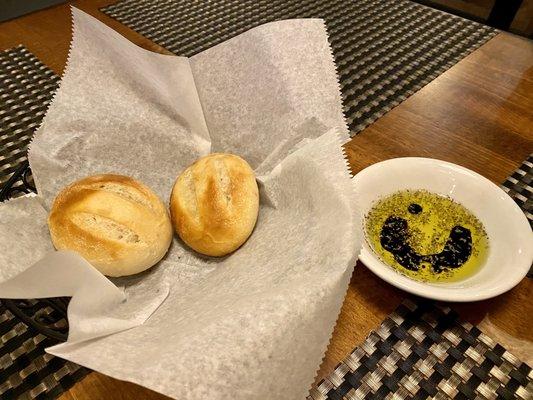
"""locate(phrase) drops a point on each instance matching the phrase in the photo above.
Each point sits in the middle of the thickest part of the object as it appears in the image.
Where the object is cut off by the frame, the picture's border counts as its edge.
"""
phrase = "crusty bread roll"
(115, 222)
(214, 204)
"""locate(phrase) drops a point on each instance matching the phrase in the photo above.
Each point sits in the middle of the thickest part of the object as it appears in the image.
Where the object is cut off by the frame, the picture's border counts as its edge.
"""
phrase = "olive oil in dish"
(426, 236)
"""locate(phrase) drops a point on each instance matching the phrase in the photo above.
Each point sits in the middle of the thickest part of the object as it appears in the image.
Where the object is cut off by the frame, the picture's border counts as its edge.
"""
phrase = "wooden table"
(478, 114)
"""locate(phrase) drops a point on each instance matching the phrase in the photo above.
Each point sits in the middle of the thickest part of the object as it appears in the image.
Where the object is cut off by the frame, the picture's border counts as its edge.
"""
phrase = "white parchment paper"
(255, 324)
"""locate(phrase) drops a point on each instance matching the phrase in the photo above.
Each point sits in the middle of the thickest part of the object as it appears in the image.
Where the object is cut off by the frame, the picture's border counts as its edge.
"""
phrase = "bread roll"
(116, 223)
(214, 204)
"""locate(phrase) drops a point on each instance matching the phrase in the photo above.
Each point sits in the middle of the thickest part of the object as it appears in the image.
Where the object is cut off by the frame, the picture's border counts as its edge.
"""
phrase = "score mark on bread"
(214, 204)
(115, 222)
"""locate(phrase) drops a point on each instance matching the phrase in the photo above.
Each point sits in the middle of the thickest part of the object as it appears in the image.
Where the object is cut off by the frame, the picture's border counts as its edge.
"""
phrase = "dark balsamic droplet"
(394, 238)
(456, 252)
(415, 208)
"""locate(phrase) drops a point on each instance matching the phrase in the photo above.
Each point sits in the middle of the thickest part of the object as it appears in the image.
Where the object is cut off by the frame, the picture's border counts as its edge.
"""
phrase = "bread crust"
(214, 204)
(115, 222)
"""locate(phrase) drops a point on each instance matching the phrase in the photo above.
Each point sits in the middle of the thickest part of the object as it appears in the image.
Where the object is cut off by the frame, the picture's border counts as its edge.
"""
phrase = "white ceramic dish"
(510, 236)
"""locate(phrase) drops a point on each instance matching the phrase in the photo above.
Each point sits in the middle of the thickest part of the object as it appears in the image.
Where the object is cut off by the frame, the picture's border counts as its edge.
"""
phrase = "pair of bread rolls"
(122, 228)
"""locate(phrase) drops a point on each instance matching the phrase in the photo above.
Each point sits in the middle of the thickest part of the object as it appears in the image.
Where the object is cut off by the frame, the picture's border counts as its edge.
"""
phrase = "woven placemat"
(26, 371)
(26, 87)
(422, 351)
(385, 50)
(520, 187)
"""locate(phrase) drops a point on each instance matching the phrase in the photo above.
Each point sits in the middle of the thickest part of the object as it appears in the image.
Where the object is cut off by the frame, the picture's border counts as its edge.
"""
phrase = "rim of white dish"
(438, 291)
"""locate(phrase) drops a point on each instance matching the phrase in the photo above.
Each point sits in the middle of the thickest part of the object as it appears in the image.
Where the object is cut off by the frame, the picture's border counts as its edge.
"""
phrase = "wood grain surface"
(478, 114)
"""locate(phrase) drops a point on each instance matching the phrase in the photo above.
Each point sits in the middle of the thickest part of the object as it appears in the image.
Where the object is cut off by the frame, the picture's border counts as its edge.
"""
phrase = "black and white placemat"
(520, 187)
(26, 88)
(422, 351)
(26, 371)
(385, 50)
